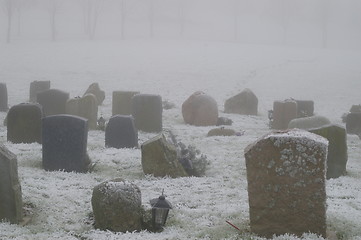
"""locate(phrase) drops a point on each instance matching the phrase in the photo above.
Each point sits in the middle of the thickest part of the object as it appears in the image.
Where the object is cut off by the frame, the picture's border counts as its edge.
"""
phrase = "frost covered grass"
(60, 201)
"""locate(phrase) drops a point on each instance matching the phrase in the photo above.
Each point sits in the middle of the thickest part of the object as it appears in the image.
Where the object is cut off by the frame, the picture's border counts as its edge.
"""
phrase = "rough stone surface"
(308, 122)
(147, 111)
(10, 190)
(122, 102)
(3, 97)
(120, 132)
(283, 113)
(221, 132)
(98, 93)
(200, 109)
(64, 143)
(245, 103)
(224, 121)
(24, 123)
(353, 123)
(305, 108)
(117, 206)
(159, 158)
(53, 101)
(355, 108)
(286, 183)
(37, 87)
(337, 149)
(86, 107)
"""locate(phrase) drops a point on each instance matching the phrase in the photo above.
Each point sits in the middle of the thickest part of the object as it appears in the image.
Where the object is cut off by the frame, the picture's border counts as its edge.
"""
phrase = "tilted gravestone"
(353, 123)
(3, 98)
(37, 87)
(11, 206)
(245, 103)
(122, 102)
(86, 107)
(65, 143)
(305, 108)
(308, 122)
(53, 101)
(24, 123)
(98, 93)
(286, 183)
(283, 113)
(147, 112)
(120, 132)
(337, 149)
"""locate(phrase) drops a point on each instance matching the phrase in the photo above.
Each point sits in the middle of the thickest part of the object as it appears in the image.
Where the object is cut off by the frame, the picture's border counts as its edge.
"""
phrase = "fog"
(306, 23)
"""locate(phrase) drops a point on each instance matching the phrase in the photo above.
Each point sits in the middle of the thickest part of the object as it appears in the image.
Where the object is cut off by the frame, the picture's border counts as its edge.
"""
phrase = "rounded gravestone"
(3, 98)
(37, 87)
(122, 102)
(120, 132)
(308, 122)
(245, 103)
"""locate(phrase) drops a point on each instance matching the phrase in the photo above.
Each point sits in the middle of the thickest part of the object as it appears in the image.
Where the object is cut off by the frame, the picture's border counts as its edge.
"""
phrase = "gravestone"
(98, 93)
(245, 103)
(305, 108)
(120, 132)
(53, 101)
(286, 183)
(283, 113)
(3, 98)
(337, 149)
(64, 143)
(221, 132)
(86, 107)
(308, 122)
(11, 206)
(122, 102)
(355, 108)
(200, 109)
(37, 87)
(353, 123)
(147, 112)
(24, 123)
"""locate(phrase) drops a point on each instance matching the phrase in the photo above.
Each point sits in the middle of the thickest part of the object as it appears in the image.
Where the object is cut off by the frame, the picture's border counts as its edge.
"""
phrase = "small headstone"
(24, 123)
(337, 149)
(37, 87)
(120, 132)
(355, 108)
(283, 113)
(305, 108)
(286, 183)
(159, 158)
(200, 109)
(353, 123)
(95, 89)
(147, 112)
(308, 122)
(245, 103)
(224, 121)
(64, 143)
(117, 206)
(221, 132)
(86, 107)
(122, 102)
(11, 206)
(53, 101)
(3, 98)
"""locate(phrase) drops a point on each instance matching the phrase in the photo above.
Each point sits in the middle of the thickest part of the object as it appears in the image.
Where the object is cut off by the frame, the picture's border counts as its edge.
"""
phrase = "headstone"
(353, 123)
(147, 112)
(24, 123)
(355, 108)
(159, 158)
(3, 98)
(64, 143)
(120, 132)
(305, 108)
(53, 101)
(224, 121)
(95, 89)
(122, 102)
(308, 122)
(11, 206)
(200, 109)
(283, 113)
(337, 149)
(86, 107)
(245, 103)
(286, 183)
(37, 87)
(117, 206)
(221, 132)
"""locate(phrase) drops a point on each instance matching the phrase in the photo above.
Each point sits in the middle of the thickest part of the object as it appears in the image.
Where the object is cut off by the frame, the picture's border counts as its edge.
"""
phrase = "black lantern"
(160, 209)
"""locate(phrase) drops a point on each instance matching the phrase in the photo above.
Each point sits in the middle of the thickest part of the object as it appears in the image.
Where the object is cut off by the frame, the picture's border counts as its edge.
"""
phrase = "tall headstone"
(122, 102)
(37, 87)
(11, 206)
(24, 123)
(305, 108)
(286, 183)
(120, 132)
(245, 103)
(147, 112)
(65, 143)
(86, 107)
(353, 123)
(283, 113)
(3, 98)
(53, 101)
(98, 93)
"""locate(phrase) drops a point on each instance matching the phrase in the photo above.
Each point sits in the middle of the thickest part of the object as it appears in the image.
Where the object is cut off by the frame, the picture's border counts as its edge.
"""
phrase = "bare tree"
(91, 12)
(123, 9)
(9, 9)
(53, 7)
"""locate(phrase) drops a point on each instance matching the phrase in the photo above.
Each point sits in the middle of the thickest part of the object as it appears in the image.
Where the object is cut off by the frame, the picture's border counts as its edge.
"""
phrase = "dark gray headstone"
(122, 102)
(120, 132)
(10, 190)
(3, 98)
(37, 87)
(245, 103)
(64, 143)
(353, 123)
(147, 112)
(305, 108)
(53, 101)
(24, 123)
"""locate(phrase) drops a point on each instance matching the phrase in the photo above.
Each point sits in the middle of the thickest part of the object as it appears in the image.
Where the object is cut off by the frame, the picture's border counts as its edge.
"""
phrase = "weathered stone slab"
(53, 101)
(3, 97)
(120, 132)
(98, 93)
(353, 123)
(355, 108)
(309, 122)
(221, 132)
(122, 102)
(37, 87)
(305, 108)
(86, 107)
(283, 113)
(147, 111)
(245, 103)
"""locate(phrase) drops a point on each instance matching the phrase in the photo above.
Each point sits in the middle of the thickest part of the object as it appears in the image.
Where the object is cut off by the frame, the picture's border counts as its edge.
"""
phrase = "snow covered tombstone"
(24, 123)
(53, 101)
(308, 122)
(64, 143)
(10, 190)
(286, 183)
(283, 113)
(120, 132)
(86, 107)
(245, 103)
(353, 123)
(3, 98)
(37, 87)
(200, 109)
(147, 111)
(98, 93)
(122, 102)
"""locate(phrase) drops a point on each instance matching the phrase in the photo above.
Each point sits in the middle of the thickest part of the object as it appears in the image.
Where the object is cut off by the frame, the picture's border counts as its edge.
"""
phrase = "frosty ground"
(60, 202)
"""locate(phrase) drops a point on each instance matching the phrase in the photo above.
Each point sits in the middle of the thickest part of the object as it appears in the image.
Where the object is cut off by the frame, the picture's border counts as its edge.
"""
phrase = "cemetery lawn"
(59, 203)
